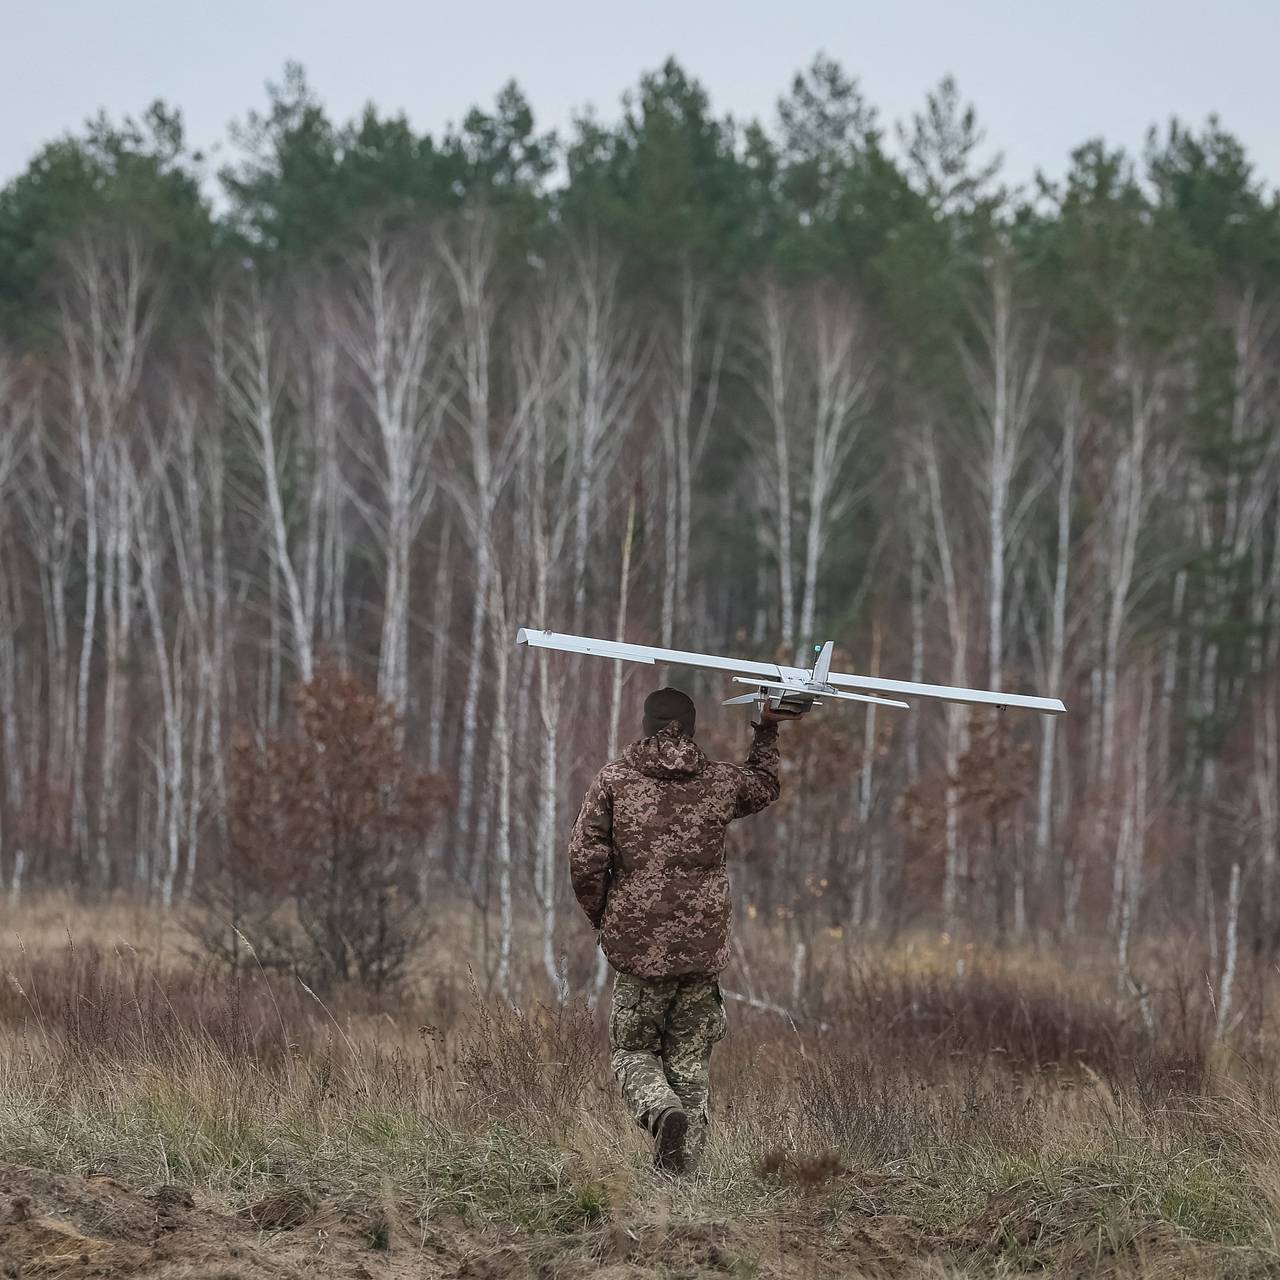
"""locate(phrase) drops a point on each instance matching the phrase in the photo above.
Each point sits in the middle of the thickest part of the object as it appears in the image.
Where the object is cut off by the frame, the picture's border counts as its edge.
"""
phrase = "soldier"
(647, 862)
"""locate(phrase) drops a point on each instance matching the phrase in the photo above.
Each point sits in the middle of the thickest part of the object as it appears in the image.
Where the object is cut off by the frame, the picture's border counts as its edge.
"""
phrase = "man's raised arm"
(590, 851)
(758, 782)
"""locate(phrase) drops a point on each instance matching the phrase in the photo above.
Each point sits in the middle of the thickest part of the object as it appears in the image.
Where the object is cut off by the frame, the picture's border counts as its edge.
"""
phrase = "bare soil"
(58, 1227)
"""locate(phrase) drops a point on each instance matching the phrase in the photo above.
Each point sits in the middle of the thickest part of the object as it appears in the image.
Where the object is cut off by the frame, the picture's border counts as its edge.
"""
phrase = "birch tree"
(255, 383)
(330, 445)
(499, 617)
(169, 663)
(549, 382)
(1070, 409)
(486, 454)
(46, 498)
(106, 309)
(14, 426)
(957, 739)
(1126, 506)
(841, 382)
(684, 397)
(1003, 376)
(610, 356)
(773, 379)
(397, 310)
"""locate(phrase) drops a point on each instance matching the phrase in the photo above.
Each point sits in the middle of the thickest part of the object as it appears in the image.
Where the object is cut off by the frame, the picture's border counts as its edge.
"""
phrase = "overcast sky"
(1045, 75)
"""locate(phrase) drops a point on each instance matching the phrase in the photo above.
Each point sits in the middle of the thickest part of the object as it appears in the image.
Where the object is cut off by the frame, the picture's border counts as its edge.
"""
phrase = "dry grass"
(1015, 1117)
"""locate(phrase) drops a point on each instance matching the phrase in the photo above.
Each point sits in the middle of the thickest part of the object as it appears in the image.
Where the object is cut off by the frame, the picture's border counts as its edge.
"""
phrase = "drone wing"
(647, 653)
(948, 693)
(776, 672)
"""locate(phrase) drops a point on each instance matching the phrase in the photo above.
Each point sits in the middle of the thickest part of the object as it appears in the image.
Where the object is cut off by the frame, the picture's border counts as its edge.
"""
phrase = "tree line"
(674, 378)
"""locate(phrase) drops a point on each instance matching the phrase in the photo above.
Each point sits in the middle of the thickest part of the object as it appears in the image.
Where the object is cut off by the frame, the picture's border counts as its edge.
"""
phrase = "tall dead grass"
(1000, 1116)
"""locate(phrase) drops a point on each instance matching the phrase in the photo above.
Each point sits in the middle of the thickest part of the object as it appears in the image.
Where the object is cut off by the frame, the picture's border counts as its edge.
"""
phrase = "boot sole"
(669, 1153)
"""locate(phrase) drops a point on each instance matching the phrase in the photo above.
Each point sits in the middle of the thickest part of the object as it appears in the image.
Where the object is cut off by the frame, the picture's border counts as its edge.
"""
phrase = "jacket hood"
(667, 754)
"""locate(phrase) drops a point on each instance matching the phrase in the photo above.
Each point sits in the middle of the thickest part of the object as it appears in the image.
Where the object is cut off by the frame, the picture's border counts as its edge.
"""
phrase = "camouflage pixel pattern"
(661, 1032)
(647, 852)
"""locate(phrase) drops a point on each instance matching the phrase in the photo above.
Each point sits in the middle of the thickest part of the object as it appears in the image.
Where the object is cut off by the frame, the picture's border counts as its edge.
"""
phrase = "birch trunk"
(168, 669)
(395, 315)
(255, 380)
(1070, 414)
(957, 722)
(1004, 377)
(1125, 508)
(502, 814)
(106, 316)
(773, 388)
(470, 266)
(615, 697)
(1266, 786)
(610, 359)
(917, 516)
(841, 381)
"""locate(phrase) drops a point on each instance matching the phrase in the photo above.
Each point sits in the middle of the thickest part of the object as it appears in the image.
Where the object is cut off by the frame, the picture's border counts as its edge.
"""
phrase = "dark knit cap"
(663, 706)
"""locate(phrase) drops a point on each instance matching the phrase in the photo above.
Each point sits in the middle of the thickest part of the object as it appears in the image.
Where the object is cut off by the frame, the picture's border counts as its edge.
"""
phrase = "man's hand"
(770, 714)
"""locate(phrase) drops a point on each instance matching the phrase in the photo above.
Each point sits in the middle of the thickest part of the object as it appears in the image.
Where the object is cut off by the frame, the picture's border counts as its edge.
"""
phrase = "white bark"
(684, 429)
(620, 630)
(442, 616)
(957, 718)
(503, 749)
(15, 428)
(254, 372)
(329, 451)
(774, 360)
(556, 501)
(1127, 503)
(117, 599)
(867, 839)
(12, 774)
(106, 316)
(185, 508)
(1070, 413)
(1127, 877)
(841, 382)
(615, 695)
(1004, 379)
(1266, 786)
(1169, 682)
(1227, 981)
(470, 263)
(610, 360)
(168, 666)
(46, 510)
(917, 516)
(397, 309)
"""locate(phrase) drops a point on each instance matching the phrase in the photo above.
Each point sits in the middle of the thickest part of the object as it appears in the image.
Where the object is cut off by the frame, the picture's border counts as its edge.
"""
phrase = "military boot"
(670, 1132)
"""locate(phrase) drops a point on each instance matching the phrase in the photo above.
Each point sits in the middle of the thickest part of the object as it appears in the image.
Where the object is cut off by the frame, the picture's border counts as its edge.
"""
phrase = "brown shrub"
(323, 830)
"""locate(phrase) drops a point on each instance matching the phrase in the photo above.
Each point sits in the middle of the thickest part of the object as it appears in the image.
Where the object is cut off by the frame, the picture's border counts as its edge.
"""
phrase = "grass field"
(928, 1111)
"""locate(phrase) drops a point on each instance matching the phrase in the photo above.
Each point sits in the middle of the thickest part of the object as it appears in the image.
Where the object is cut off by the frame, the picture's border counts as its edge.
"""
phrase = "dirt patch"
(61, 1227)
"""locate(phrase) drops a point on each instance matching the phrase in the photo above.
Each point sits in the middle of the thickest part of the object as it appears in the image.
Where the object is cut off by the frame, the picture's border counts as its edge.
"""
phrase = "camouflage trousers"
(661, 1031)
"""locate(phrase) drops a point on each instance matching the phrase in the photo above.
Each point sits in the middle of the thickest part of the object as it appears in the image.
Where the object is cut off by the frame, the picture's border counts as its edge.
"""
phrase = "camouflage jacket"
(647, 852)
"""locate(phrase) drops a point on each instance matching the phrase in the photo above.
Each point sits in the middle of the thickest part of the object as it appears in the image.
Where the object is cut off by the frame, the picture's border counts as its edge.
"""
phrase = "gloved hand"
(775, 715)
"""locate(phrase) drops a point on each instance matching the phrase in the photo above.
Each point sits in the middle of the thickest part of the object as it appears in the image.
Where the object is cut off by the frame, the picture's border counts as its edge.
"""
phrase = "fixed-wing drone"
(789, 688)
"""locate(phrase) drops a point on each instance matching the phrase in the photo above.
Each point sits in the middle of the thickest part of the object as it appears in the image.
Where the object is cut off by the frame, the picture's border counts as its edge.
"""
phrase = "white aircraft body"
(790, 688)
